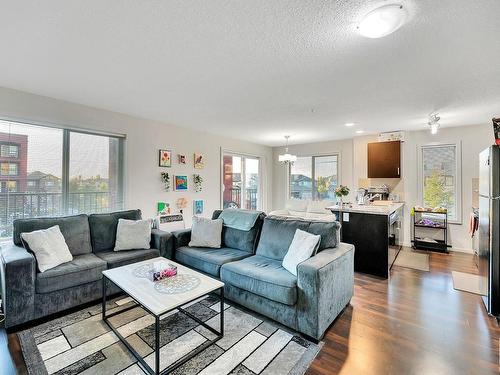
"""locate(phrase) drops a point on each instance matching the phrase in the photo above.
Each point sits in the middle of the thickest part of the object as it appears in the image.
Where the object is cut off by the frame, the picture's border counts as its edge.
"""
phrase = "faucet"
(374, 196)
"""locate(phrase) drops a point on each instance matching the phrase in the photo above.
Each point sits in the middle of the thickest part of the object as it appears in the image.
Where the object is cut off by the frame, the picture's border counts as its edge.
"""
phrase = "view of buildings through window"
(314, 177)
(33, 182)
(241, 182)
(439, 171)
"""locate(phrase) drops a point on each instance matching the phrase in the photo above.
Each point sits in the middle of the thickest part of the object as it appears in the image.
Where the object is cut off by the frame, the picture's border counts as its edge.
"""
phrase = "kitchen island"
(375, 231)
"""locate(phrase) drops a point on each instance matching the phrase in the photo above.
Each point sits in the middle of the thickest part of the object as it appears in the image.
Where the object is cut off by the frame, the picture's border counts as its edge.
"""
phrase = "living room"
(245, 127)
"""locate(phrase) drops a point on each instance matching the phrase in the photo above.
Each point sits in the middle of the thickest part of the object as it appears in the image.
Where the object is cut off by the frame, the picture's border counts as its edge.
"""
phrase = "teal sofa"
(308, 302)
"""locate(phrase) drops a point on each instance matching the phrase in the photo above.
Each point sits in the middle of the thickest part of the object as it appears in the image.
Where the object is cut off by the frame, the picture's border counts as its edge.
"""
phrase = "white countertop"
(368, 209)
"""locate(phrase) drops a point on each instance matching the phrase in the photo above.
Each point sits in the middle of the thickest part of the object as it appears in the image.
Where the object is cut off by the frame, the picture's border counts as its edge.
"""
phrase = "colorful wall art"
(199, 161)
(198, 207)
(165, 158)
(180, 183)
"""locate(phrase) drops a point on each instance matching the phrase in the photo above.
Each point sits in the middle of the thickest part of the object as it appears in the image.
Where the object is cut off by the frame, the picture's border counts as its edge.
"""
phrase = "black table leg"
(103, 297)
(222, 311)
(157, 344)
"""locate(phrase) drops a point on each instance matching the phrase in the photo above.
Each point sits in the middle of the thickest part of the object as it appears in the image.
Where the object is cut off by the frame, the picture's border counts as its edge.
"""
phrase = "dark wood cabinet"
(384, 159)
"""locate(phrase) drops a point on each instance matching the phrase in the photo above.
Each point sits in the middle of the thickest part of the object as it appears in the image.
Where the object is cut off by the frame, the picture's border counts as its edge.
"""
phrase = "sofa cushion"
(83, 269)
(75, 230)
(121, 258)
(319, 207)
(208, 260)
(262, 276)
(299, 205)
(329, 232)
(103, 228)
(240, 239)
(277, 235)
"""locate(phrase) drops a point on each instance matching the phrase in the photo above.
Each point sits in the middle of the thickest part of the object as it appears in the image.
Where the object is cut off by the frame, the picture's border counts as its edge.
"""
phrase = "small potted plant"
(341, 191)
(166, 180)
(198, 181)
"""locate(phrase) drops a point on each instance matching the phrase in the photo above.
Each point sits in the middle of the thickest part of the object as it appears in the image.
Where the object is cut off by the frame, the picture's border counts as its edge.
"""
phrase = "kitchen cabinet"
(376, 236)
(384, 159)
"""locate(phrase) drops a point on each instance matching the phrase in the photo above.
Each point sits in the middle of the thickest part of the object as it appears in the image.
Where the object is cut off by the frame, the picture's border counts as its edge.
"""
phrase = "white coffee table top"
(143, 291)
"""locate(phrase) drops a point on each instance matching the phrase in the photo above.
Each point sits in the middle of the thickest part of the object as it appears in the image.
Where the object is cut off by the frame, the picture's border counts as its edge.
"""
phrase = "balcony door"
(241, 182)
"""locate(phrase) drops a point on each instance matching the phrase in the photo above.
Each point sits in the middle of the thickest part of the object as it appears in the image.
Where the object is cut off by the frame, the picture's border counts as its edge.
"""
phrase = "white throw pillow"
(303, 245)
(206, 232)
(49, 246)
(133, 235)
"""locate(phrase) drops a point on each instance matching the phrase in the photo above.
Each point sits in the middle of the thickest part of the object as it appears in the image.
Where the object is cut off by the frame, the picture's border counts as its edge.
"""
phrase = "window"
(314, 177)
(241, 182)
(9, 151)
(57, 172)
(8, 169)
(440, 178)
(9, 186)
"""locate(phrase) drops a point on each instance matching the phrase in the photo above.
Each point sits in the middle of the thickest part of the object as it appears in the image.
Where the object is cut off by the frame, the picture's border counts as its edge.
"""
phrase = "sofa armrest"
(163, 241)
(18, 273)
(181, 237)
(325, 286)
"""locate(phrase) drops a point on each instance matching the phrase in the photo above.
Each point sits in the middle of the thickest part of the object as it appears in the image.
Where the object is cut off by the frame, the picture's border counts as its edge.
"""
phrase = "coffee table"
(156, 303)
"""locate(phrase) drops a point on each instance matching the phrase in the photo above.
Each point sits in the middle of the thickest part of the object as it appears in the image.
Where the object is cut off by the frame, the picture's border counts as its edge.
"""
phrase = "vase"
(341, 202)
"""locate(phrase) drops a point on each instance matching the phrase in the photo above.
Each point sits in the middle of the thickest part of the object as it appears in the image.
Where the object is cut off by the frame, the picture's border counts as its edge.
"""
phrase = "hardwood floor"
(413, 323)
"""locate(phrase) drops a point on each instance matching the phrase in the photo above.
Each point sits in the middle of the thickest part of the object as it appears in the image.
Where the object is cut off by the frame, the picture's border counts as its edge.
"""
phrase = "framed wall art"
(199, 161)
(165, 158)
(180, 183)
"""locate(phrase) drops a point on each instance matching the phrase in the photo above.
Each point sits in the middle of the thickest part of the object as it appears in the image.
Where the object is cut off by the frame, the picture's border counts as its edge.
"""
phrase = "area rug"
(413, 260)
(81, 343)
(468, 282)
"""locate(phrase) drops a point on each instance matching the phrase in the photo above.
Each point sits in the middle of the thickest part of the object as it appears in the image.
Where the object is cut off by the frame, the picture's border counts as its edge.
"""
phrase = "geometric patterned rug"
(81, 343)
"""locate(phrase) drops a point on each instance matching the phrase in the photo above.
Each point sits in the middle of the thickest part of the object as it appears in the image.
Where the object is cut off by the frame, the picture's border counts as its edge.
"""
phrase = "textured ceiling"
(258, 69)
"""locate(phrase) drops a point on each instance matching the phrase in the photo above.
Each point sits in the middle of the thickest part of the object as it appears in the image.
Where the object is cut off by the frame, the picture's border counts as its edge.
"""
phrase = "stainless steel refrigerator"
(489, 228)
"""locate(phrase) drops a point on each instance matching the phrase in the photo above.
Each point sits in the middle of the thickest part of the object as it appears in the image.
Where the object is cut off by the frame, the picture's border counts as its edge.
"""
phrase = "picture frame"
(199, 161)
(163, 208)
(180, 183)
(181, 158)
(198, 206)
(165, 158)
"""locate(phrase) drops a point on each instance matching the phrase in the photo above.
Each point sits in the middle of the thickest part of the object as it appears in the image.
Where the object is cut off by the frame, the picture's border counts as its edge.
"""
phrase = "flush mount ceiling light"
(349, 124)
(434, 123)
(360, 131)
(382, 21)
(287, 158)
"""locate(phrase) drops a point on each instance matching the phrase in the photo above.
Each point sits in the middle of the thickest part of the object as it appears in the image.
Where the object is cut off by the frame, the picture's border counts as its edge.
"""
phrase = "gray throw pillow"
(206, 232)
(133, 234)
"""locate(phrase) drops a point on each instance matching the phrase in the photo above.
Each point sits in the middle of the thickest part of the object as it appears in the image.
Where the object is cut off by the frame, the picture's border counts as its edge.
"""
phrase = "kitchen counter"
(368, 209)
(375, 231)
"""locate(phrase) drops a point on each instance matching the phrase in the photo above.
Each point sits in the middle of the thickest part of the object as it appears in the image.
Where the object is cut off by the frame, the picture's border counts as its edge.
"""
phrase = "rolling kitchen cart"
(430, 221)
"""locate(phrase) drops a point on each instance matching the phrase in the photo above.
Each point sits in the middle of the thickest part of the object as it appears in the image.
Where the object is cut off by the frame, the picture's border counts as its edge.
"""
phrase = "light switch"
(345, 216)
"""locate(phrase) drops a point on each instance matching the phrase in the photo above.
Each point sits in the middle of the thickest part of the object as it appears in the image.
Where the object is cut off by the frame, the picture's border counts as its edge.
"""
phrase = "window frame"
(458, 176)
(313, 173)
(9, 156)
(261, 204)
(66, 132)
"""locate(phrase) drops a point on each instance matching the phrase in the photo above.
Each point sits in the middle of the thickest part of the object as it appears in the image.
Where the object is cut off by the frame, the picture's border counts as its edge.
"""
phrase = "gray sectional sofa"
(249, 263)
(29, 294)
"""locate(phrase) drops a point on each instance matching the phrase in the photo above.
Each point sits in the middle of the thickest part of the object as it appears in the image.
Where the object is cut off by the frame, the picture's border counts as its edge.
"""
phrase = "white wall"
(143, 187)
(354, 170)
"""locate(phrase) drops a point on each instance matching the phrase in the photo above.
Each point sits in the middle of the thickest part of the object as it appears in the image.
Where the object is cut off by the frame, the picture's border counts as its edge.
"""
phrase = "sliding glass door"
(241, 182)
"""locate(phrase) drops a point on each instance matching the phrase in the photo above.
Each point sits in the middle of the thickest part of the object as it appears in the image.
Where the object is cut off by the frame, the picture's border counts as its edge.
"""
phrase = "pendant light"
(287, 158)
